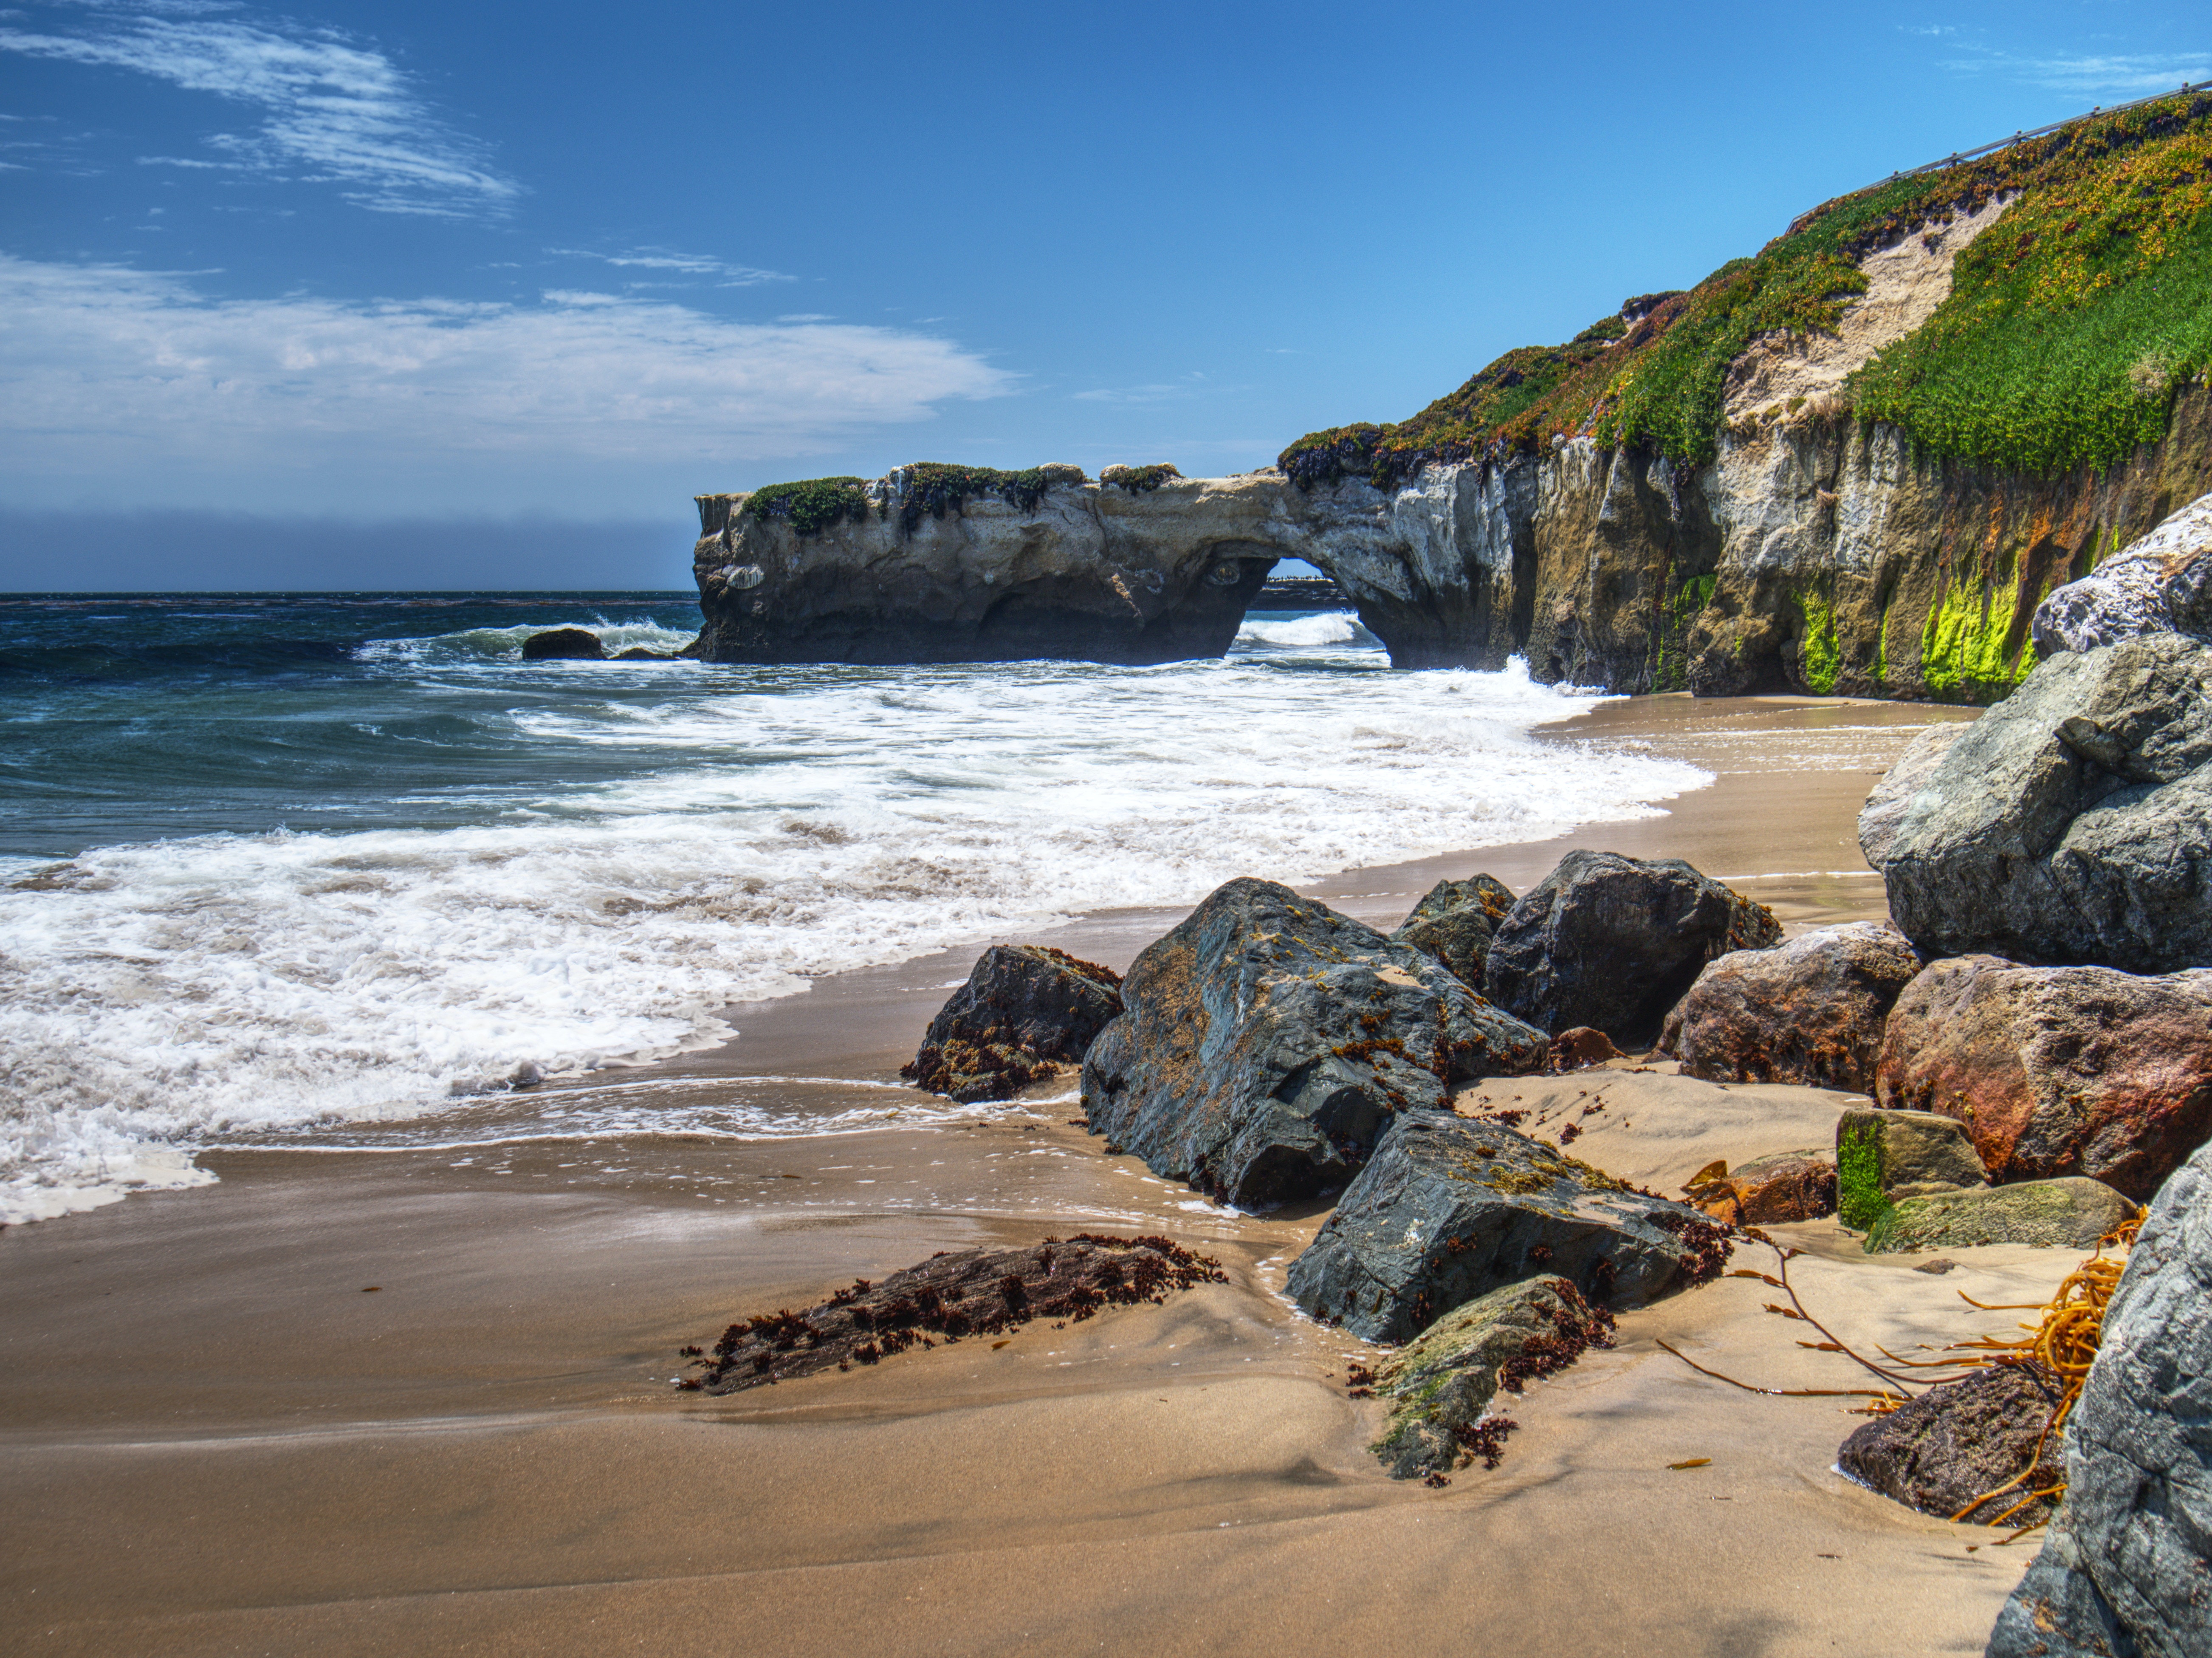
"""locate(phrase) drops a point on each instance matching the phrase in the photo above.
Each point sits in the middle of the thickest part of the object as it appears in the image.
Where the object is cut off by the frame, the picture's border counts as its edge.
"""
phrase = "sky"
(363, 293)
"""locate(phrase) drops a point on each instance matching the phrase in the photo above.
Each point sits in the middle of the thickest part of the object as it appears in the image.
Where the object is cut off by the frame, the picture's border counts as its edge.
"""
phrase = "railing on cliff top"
(1957, 157)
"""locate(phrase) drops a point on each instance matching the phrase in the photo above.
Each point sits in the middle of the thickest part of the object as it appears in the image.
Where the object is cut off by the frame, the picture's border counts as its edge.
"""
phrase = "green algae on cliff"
(1819, 660)
(1967, 650)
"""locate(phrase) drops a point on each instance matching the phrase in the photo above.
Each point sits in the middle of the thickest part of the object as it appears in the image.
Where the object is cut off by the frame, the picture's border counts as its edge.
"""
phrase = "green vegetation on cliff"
(1139, 480)
(2071, 324)
(932, 489)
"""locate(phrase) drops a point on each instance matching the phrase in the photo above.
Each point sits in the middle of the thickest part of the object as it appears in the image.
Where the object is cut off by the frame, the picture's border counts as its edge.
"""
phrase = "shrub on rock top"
(1267, 1041)
(1615, 942)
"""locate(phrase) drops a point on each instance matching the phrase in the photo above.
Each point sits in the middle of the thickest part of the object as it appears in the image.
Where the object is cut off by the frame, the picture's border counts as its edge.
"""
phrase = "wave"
(765, 827)
(1324, 627)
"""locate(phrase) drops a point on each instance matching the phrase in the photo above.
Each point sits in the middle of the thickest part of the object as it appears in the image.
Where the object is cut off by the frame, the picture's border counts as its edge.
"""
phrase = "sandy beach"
(417, 1398)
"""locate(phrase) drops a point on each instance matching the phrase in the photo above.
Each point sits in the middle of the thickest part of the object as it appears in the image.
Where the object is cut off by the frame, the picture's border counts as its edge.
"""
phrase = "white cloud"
(689, 264)
(2121, 76)
(109, 372)
(342, 111)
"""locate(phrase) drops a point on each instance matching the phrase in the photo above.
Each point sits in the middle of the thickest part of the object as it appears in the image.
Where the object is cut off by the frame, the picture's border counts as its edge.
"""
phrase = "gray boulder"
(1026, 1010)
(2071, 1213)
(1449, 1209)
(1268, 1041)
(2127, 1568)
(2072, 822)
(1809, 1011)
(2058, 1070)
(2161, 584)
(1885, 808)
(1947, 1451)
(1615, 942)
(1454, 921)
(1440, 1385)
(1885, 1156)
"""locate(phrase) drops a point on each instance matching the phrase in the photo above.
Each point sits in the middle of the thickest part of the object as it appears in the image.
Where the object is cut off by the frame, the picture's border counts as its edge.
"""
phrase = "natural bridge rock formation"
(1097, 571)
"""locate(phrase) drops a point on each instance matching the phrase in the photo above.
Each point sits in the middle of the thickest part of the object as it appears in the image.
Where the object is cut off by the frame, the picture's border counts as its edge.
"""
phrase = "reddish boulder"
(1580, 1048)
(2057, 1070)
(1809, 1011)
(1768, 1191)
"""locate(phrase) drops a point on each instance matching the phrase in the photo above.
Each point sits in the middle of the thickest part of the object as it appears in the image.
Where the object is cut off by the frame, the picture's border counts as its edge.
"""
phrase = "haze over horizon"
(358, 296)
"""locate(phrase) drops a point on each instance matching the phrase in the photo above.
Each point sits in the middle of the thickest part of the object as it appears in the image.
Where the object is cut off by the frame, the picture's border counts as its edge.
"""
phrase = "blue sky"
(431, 266)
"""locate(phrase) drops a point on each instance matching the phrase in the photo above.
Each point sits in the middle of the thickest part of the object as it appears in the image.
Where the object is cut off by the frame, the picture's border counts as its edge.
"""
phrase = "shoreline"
(419, 1396)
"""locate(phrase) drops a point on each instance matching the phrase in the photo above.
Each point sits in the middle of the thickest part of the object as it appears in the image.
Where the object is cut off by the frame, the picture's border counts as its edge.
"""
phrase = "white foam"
(789, 824)
(1324, 627)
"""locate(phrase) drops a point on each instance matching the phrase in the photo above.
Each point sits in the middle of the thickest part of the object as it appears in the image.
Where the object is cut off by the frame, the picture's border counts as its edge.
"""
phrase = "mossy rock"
(2069, 1213)
(1883, 1157)
(1441, 1385)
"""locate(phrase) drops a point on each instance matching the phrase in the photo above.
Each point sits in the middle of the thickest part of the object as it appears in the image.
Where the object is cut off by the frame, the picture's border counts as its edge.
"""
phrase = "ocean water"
(273, 863)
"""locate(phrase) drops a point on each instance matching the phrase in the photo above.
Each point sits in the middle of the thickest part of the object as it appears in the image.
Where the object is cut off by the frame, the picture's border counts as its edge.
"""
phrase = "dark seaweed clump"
(972, 1292)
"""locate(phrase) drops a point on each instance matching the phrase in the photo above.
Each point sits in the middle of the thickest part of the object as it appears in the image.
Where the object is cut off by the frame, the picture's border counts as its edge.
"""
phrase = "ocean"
(271, 863)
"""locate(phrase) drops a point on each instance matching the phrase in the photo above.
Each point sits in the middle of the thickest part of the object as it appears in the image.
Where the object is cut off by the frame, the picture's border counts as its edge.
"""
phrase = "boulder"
(2160, 584)
(1449, 1209)
(1882, 1157)
(1768, 1191)
(2071, 1213)
(1615, 942)
(563, 644)
(1026, 1010)
(2127, 1568)
(1885, 808)
(1454, 921)
(1440, 1385)
(1579, 1049)
(1945, 1453)
(2058, 1070)
(2071, 823)
(1807, 1011)
(1268, 1040)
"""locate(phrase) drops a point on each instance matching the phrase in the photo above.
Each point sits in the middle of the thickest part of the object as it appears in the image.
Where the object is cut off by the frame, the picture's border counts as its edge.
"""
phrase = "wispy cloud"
(2118, 76)
(688, 264)
(1190, 386)
(335, 109)
(106, 370)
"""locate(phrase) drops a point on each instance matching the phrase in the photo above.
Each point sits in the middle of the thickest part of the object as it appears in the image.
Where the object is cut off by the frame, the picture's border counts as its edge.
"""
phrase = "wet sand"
(221, 1439)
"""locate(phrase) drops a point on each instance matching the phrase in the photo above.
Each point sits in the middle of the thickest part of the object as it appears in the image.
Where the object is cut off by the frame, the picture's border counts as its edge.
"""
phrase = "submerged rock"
(1959, 1450)
(2049, 1214)
(1026, 1010)
(1808, 1010)
(969, 1292)
(1768, 1191)
(2127, 1568)
(1454, 922)
(563, 644)
(1268, 1041)
(1882, 1157)
(2058, 1071)
(1440, 1385)
(2072, 823)
(1449, 1209)
(2161, 584)
(1613, 942)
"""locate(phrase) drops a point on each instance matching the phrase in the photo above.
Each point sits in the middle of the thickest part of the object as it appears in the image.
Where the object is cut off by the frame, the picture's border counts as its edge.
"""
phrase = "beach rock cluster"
(1026, 1011)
